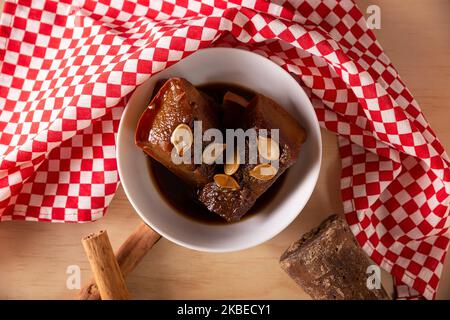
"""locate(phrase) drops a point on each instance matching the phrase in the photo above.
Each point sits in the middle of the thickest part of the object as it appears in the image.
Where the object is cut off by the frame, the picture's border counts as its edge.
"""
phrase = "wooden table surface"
(34, 257)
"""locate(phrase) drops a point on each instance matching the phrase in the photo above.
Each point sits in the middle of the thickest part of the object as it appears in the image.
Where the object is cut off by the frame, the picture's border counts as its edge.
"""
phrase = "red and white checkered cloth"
(67, 68)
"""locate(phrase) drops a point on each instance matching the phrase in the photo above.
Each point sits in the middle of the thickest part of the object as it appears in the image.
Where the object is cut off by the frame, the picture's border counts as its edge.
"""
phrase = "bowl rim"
(201, 248)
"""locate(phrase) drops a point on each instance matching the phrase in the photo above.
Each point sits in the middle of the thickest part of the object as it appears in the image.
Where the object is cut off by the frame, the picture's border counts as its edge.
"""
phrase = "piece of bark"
(107, 274)
(328, 264)
(128, 256)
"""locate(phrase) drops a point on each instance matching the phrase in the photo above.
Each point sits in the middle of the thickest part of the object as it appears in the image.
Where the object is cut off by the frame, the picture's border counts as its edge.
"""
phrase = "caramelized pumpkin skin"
(176, 102)
(261, 113)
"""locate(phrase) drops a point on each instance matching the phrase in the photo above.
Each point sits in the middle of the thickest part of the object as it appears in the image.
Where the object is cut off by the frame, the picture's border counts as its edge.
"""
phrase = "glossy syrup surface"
(181, 197)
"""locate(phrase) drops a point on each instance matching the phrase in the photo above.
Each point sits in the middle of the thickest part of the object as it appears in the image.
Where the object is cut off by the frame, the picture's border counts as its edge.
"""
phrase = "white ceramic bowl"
(254, 72)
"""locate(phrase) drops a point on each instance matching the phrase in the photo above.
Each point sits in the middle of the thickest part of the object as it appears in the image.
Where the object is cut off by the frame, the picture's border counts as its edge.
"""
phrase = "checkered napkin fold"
(67, 68)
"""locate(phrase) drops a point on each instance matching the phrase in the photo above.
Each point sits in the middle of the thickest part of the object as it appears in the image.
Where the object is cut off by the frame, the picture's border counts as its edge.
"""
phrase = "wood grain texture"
(34, 256)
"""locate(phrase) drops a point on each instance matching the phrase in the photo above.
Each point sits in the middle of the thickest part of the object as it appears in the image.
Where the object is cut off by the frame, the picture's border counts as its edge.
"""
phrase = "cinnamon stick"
(107, 274)
(128, 257)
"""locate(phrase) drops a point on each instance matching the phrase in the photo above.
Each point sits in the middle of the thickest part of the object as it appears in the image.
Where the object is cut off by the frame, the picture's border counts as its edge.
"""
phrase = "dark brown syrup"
(181, 197)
